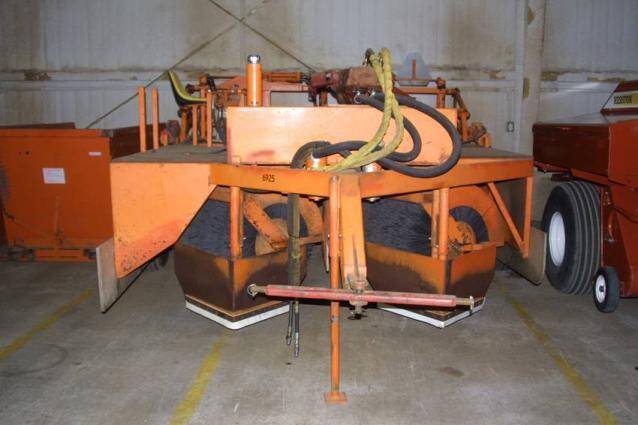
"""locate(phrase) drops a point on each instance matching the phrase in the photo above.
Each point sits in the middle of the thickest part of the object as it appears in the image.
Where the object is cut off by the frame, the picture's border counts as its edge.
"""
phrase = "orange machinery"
(225, 196)
(55, 189)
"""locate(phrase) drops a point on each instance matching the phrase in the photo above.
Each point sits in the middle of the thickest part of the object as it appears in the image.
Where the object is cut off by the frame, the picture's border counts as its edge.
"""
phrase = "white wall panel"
(591, 35)
(473, 34)
(58, 35)
(96, 53)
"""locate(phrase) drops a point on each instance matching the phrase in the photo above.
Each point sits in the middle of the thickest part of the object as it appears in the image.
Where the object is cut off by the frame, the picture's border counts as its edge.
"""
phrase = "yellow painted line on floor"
(188, 406)
(589, 396)
(46, 323)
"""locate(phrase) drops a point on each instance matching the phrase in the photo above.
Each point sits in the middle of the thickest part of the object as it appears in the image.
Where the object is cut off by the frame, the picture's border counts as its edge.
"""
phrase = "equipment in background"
(55, 189)
(409, 221)
(591, 215)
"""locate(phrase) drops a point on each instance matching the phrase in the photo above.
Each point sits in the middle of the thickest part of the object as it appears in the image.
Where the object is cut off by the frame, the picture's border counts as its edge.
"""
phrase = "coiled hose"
(393, 161)
(372, 151)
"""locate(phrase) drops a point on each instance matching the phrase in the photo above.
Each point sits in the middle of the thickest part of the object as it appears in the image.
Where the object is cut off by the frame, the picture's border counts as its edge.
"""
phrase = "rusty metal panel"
(465, 275)
(152, 205)
(623, 152)
(220, 283)
(585, 147)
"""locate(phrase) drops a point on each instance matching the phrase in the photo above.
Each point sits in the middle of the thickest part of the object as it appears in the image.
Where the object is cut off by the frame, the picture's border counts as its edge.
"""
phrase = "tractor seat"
(181, 95)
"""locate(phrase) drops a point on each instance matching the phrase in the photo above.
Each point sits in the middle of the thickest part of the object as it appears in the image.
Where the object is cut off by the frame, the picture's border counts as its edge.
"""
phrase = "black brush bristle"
(209, 230)
(398, 224)
(470, 216)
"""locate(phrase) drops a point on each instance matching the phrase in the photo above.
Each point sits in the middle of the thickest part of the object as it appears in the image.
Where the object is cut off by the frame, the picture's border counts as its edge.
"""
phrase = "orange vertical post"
(254, 81)
(202, 116)
(209, 119)
(527, 220)
(194, 127)
(444, 212)
(434, 237)
(141, 95)
(335, 395)
(184, 124)
(235, 222)
(155, 116)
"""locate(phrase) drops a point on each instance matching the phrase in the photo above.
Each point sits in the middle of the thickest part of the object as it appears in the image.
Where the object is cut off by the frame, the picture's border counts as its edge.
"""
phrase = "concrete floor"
(136, 363)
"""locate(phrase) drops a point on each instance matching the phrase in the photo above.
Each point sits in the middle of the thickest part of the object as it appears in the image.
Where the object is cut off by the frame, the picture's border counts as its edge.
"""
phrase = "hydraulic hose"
(382, 65)
(352, 145)
(293, 219)
(391, 161)
(434, 170)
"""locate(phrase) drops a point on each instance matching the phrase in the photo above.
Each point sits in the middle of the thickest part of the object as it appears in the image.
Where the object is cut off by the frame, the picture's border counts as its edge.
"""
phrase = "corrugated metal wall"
(73, 60)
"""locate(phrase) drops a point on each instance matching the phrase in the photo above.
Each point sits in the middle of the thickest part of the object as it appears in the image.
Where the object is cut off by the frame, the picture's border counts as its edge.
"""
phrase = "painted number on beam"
(270, 178)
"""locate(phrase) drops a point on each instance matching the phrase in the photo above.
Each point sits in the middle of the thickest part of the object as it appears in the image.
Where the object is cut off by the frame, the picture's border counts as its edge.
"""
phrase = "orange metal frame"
(155, 199)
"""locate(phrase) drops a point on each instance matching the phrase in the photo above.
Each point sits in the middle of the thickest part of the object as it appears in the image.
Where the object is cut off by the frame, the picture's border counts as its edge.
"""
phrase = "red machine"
(591, 217)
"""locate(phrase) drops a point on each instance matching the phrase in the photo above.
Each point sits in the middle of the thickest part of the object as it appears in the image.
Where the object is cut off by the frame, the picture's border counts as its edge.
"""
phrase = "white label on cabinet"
(53, 175)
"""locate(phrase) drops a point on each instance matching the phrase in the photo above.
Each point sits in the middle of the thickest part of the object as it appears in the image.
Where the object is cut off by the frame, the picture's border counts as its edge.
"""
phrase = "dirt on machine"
(384, 171)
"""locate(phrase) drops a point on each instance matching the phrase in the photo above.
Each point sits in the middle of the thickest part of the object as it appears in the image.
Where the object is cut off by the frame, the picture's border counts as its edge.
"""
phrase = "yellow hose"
(382, 65)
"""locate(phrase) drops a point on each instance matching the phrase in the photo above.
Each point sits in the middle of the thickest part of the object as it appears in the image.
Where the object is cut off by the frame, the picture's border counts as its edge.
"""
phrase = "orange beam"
(508, 218)
(335, 395)
(235, 222)
(383, 183)
(527, 223)
(434, 237)
(444, 215)
(353, 257)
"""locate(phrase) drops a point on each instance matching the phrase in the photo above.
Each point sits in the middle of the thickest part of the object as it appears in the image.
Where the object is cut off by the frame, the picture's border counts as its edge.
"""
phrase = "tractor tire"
(606, 290)
(572, 222)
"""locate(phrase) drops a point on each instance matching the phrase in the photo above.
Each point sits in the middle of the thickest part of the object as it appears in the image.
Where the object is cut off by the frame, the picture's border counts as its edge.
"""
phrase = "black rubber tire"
(609, 293)
(578, 203)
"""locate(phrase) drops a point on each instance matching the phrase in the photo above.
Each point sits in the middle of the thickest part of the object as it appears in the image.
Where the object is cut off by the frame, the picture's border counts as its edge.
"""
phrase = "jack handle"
(388, 297)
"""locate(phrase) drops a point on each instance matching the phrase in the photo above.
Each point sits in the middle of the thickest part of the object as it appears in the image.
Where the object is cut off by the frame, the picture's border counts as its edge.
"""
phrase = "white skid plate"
(430, 320)
(251, 320)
